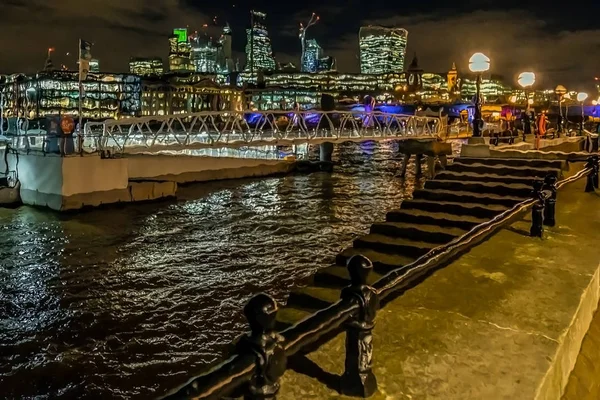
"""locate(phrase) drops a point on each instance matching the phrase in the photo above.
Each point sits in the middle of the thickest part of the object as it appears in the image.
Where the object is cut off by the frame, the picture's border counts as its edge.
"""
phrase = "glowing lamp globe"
(581, 96)
(530, 102)
(526, 79)
(560, 90)
(479, 62)
(513, 99)
(594, 102)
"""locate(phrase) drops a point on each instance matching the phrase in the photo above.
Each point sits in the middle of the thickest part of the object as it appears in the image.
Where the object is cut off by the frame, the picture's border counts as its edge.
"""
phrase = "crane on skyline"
(314, 18)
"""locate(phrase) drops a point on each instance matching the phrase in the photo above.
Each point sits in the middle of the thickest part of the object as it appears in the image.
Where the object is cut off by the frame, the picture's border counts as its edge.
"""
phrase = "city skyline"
(551, 46)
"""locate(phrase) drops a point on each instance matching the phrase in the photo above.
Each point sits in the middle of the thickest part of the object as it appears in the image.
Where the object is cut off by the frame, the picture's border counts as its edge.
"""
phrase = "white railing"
(252, 128)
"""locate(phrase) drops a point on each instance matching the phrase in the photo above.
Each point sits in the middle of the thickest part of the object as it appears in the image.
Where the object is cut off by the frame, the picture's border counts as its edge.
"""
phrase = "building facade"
(152, 66)
(382, 49)
(183, 94)
(94, 65)
(57, 92)
(259, 53)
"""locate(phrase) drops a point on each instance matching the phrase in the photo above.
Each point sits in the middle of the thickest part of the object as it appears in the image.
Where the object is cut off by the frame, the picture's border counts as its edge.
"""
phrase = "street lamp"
(478, 63)
(560, 91)
(581, 97)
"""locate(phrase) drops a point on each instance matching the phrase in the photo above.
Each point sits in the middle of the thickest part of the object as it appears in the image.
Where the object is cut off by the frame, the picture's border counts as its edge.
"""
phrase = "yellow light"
(513, 99)
(530, 101)
(594, 102)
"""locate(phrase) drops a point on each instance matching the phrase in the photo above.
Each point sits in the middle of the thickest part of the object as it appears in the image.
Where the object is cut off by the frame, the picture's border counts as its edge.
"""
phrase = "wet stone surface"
(491, 325)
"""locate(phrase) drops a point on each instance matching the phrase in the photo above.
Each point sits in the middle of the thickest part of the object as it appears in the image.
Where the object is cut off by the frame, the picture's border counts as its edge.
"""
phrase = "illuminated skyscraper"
(259, 54)
(312, 55)
(205, 54)
(180, 51)
(382, 49)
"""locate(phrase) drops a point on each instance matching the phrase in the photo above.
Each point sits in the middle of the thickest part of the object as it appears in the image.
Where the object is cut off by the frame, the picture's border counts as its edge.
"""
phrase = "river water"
(127, 302)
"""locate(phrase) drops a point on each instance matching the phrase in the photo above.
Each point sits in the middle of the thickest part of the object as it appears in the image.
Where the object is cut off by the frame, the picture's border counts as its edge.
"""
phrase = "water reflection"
(127, 301)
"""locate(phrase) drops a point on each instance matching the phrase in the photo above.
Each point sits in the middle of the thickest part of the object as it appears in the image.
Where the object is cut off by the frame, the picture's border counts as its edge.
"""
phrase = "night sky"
(560, 41)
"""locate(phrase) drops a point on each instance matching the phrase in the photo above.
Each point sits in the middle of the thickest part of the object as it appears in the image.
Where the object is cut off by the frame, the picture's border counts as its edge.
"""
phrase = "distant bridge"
(238, 129)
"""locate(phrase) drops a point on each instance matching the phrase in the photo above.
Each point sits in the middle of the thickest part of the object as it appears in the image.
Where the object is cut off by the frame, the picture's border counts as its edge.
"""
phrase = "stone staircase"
(469, 192)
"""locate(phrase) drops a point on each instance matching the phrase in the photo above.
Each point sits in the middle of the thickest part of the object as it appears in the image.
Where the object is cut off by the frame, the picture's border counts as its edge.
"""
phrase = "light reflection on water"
(128, 301)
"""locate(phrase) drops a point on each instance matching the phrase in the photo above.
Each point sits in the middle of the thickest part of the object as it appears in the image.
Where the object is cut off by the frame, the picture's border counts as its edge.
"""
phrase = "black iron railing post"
(537, 212)
(592, 178)
(358, 379)
(550, 206)
(266, 344)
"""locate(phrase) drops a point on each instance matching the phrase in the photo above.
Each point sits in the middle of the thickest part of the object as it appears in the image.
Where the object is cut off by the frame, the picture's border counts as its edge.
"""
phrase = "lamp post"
(526, 80)
(478, 63)
(581, 97)
(560, 91)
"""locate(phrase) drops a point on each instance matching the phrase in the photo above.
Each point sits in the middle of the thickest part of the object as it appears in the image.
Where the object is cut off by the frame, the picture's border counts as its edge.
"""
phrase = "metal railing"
(260, 357)
(254, 128)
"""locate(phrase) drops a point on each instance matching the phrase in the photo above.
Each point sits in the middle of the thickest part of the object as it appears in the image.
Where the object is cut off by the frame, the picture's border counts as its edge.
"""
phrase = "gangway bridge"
(237, 129)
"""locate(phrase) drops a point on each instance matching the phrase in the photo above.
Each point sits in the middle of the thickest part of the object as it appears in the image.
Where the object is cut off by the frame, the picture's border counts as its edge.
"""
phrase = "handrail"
(259, 368)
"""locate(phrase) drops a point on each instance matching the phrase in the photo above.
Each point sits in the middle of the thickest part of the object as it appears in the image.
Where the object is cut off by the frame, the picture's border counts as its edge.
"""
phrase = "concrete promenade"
(504, 321)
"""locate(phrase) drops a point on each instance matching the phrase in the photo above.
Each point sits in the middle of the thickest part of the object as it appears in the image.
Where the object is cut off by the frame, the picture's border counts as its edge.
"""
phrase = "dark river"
(127, 302)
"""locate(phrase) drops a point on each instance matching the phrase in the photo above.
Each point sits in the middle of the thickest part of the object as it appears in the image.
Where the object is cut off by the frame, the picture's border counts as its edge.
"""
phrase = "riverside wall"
(71, 183)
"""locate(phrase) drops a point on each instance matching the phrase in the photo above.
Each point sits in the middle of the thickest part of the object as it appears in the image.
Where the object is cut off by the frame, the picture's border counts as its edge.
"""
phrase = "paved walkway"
(504, 321)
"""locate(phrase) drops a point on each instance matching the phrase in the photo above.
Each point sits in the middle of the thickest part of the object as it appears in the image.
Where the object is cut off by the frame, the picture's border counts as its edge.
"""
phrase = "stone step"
(416, 231)
(313, 298)
(466, 197)
(514, 162)
(441, 218)
(288, 316)
(450, 207)
(382, 262)
(393, 245)
(485, 177)
(503, 189)
(503, 170)
(337, 276)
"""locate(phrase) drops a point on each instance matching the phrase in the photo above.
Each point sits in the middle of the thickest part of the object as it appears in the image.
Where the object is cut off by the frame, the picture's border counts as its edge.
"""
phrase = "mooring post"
(537, 212)
(592, 176)
(550, 205)
(358, 378)
(266, 344)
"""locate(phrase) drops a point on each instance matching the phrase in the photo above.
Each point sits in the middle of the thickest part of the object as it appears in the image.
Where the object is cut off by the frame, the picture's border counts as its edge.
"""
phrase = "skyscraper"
(205, 54)
(226, 56)
(312, 54)
(180, 51)
(259, 54)
(382, 49)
